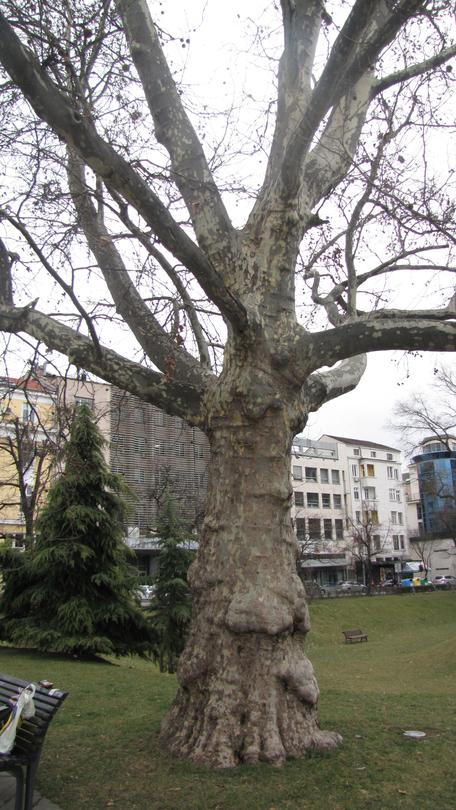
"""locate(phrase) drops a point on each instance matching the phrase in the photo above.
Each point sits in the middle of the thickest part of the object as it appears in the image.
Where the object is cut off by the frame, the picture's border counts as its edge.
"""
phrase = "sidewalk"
(8, 791)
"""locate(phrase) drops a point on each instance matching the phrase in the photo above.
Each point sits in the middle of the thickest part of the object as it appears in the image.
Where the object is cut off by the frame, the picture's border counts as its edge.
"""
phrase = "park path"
(8, 790)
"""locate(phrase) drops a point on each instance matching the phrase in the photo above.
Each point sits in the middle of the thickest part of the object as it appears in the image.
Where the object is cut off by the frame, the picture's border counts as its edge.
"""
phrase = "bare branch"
(413, 70)
(150, 335)
(174, 130)
(55, 109)
(188, 304)
(47, 265)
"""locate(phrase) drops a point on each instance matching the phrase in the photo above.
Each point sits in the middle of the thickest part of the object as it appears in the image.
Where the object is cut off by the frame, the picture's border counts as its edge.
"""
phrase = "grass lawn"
(103, 750)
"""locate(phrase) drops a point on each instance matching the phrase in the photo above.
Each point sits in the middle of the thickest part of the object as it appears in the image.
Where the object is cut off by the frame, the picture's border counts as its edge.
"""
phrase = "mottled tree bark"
(247, 690)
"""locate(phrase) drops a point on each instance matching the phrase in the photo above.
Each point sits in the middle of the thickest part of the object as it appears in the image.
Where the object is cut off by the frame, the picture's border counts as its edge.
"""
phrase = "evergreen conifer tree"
(72, 592)
(171, 603)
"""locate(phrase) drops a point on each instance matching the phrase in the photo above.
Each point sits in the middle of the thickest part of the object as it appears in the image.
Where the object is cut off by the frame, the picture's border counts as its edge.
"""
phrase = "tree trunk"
(247, 691)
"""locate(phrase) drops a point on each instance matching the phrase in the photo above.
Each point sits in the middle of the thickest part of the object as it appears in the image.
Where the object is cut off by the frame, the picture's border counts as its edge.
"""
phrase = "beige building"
(349, 502)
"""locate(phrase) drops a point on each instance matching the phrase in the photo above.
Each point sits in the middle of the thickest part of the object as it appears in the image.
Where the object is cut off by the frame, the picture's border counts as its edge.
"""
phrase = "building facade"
(27, 452)
(349, 508)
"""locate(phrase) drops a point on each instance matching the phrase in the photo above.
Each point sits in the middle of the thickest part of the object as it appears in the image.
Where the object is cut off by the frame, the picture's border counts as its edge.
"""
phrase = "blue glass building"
(436, 469)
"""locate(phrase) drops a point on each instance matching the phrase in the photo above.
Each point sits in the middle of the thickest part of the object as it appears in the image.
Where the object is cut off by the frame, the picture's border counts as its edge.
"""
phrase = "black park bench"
(23, 760)
(354, 635)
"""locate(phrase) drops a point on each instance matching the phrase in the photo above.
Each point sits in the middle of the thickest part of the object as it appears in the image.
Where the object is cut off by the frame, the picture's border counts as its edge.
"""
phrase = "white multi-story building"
(349, 505)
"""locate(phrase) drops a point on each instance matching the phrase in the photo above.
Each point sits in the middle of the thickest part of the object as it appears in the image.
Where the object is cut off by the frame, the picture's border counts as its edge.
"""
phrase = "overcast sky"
(366, 412)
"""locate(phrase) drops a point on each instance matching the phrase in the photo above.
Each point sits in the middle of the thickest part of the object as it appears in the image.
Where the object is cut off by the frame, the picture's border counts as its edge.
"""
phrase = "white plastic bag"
(22, 707)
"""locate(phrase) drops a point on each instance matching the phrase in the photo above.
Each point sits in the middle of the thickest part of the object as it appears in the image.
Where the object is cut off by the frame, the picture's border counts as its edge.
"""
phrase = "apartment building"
(318, 510)
(349, 503)
(154, 451)
(27, 444)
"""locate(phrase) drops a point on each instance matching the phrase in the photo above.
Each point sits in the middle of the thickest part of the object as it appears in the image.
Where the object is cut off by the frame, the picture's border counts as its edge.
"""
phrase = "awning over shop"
(324, 563)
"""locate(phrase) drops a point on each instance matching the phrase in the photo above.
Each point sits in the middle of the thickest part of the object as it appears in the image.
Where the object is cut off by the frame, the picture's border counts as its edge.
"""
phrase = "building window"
(369, 493)
(393, 517)
(198, 449)
(358, 517)
(389, 456)
(312, 500)
(160, 448)
(377, 542)
(324, 476)
(400, 518)
(389, 472)
(297, 473)
(140, 476)
(326, 500)
(159, 418)
(398, 495)
(327, 528)
(339, 524)
(402, 541)
(356, 451)
(355, 471)
(180, 449)
(335, 476)
(392, 494)
(370, 516)
(337, 500)
(396, 542)
(139, 416)
(301, 528)
(299, 498)
(28, 413)
(84, 401)
(117, 440)
(356, 494)
(373, 454)
(314, 528)
(311, 474)
(139, 444)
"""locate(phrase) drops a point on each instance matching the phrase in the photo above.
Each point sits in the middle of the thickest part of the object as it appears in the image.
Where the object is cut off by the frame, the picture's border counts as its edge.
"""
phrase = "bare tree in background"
(420, 417)
(350, 200)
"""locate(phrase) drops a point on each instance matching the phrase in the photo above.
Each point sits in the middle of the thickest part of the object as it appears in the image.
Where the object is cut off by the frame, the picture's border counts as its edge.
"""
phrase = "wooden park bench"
(354, 635)
(23, 760)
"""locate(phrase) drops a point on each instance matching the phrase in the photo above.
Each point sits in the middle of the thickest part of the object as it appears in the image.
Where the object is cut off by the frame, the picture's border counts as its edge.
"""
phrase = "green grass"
(103, 749)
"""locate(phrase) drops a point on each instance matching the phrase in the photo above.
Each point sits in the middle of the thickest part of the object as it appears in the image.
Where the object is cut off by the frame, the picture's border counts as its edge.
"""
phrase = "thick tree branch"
(156, 343)
(174, 130)
(436, 331)
(323, 386)
(329, 161)
(179, 397)
(369, 28)
(69, 123)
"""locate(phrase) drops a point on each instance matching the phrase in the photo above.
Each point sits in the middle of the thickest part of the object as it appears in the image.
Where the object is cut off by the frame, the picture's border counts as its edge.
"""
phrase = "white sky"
(366, 412)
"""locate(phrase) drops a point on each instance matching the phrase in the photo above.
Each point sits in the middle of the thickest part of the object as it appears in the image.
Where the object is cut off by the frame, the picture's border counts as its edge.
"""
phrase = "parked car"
(388, 583)
(145, 594)
(350, 585)
(444, 579)
(345, 586)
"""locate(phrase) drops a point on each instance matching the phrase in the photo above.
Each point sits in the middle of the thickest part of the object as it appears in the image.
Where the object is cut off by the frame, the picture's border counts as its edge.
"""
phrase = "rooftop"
(361, 443)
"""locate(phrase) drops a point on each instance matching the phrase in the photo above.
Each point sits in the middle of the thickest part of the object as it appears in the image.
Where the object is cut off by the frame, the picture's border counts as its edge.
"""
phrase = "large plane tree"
(251, 299)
